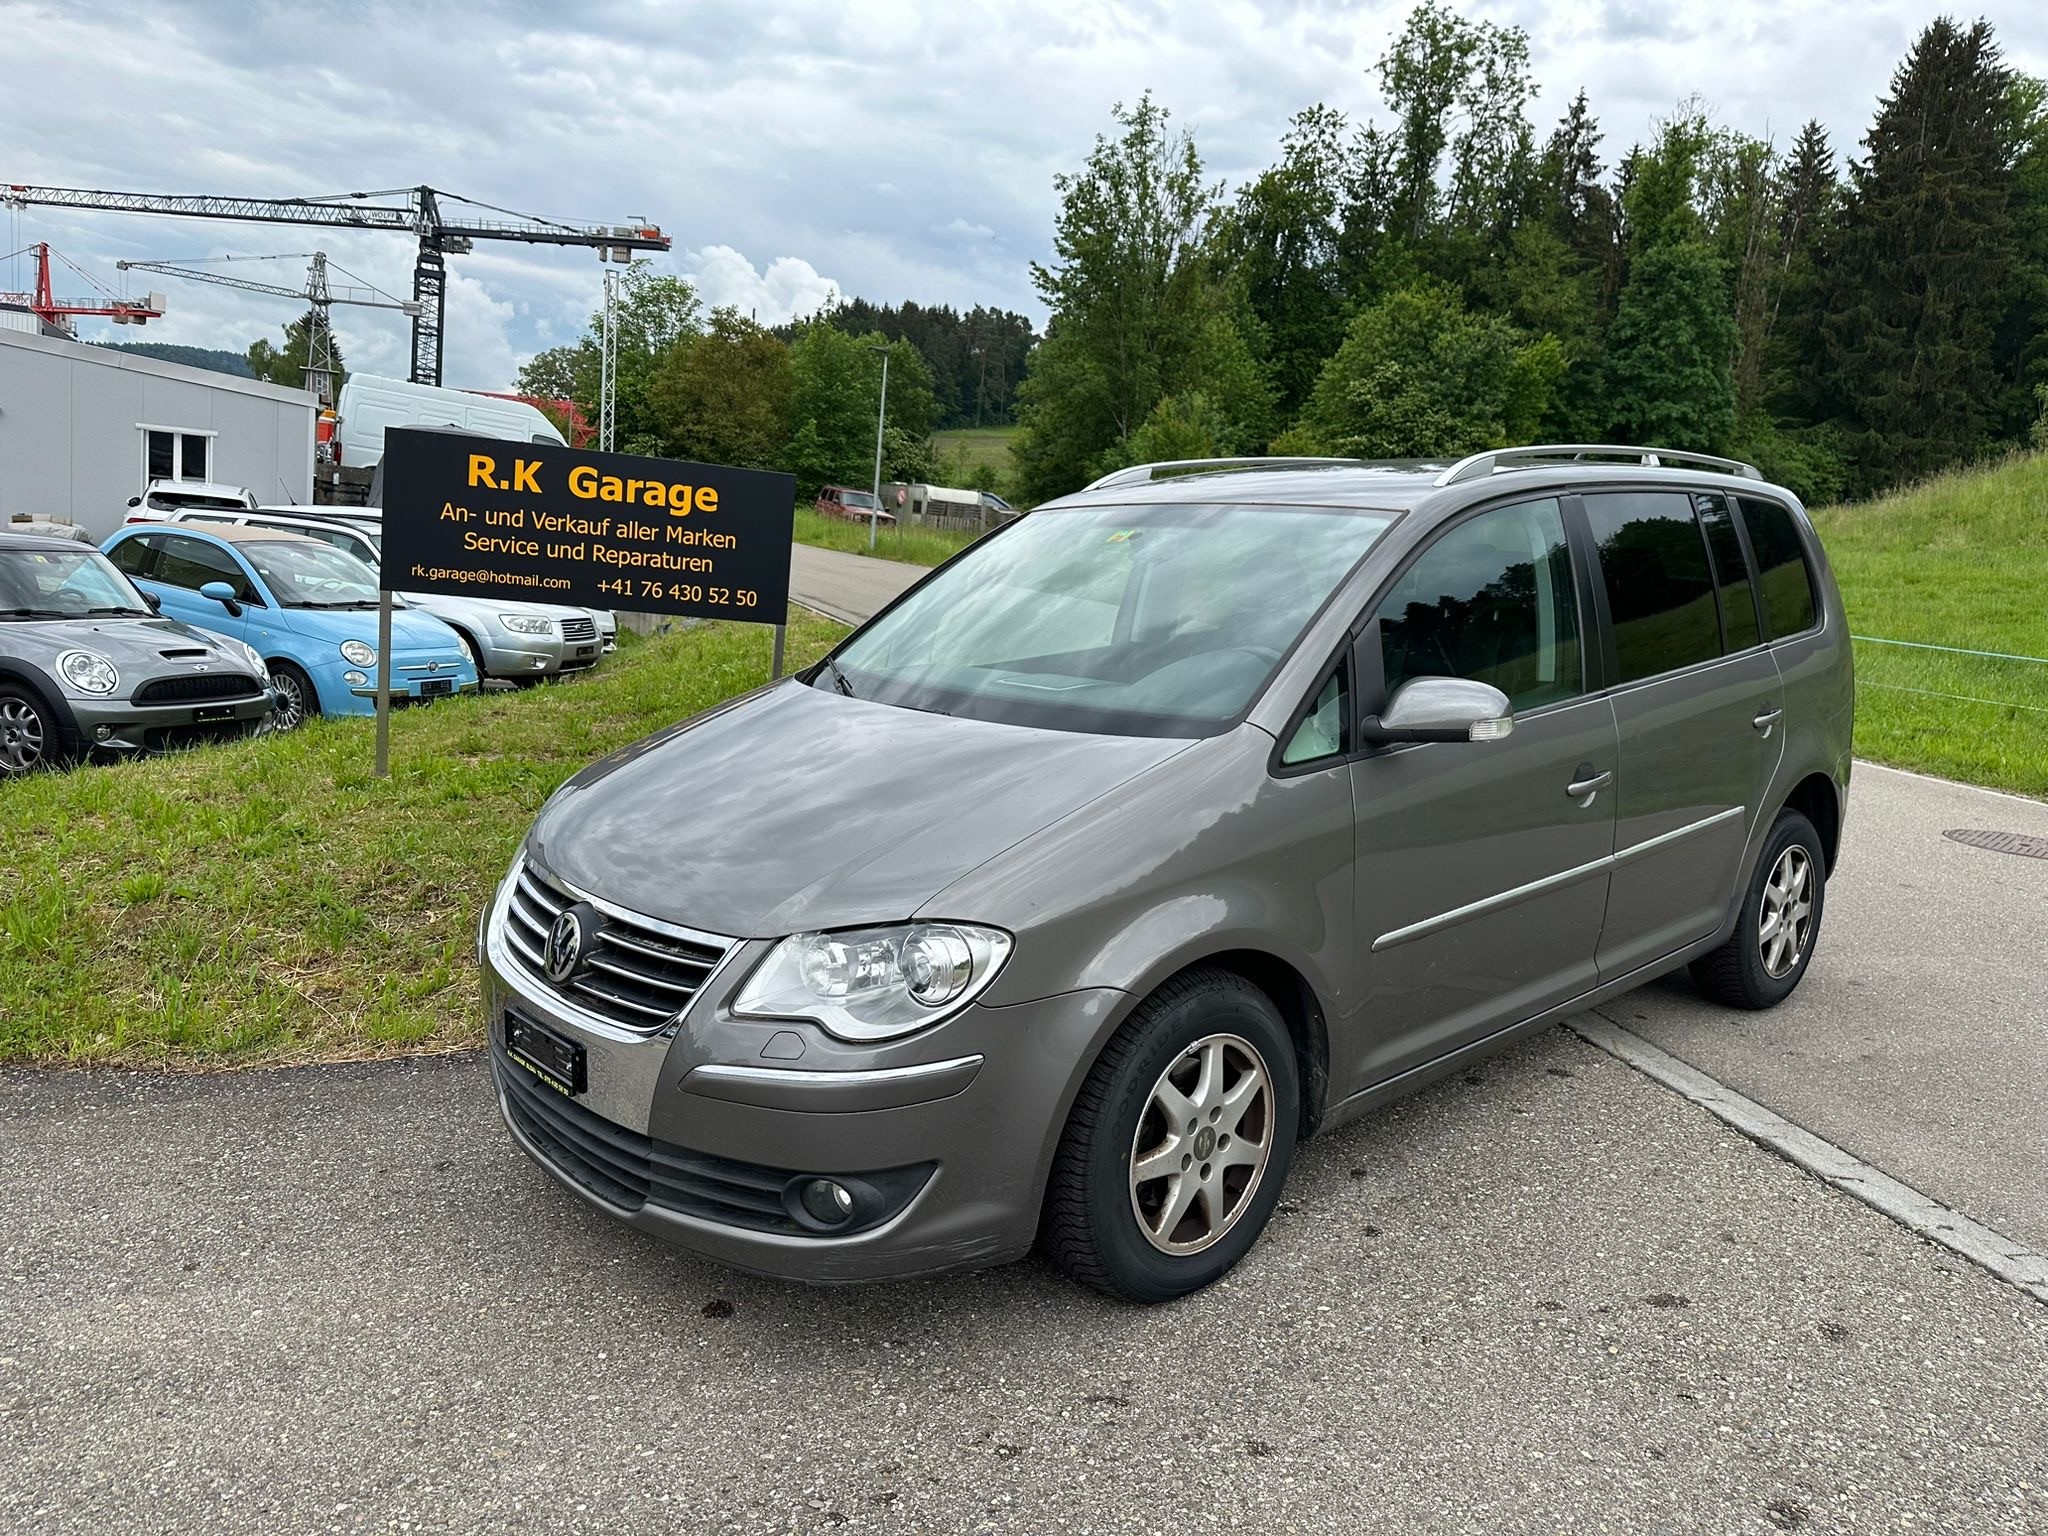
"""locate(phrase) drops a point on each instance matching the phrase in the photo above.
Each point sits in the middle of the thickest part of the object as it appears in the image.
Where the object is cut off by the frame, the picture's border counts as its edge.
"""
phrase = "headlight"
(462, 645)
(357, 654)
(527, 623)
(88, 672)
(875, 983)
(251, 655)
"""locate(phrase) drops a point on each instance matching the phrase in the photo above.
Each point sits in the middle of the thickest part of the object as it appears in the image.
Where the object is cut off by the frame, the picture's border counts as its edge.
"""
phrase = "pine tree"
(1809, 208)
(1917, 290)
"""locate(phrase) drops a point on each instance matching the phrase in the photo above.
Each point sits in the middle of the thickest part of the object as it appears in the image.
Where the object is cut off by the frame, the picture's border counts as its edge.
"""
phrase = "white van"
(370, 405)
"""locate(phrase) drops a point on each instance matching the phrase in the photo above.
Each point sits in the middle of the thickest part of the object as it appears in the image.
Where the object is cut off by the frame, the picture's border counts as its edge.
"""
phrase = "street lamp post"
(881, 414)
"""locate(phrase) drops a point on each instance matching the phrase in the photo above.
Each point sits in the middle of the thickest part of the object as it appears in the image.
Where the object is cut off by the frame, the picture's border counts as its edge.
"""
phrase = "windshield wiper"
(36, 613)
(839, 678)
(123, 612)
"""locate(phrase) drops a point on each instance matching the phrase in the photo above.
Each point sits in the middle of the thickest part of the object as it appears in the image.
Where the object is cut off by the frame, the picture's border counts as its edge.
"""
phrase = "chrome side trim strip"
(1507, 898)
(1490, 903)
(810, 1075)
(1662, 839)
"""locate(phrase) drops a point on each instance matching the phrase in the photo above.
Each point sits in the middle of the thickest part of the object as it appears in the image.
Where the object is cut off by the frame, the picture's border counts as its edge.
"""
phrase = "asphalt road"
(846, 587)
(1547, 1297)
(1919, 1038)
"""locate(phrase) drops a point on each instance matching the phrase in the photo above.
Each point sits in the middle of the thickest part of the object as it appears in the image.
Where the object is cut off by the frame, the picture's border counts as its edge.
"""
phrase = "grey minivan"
(1177, 821)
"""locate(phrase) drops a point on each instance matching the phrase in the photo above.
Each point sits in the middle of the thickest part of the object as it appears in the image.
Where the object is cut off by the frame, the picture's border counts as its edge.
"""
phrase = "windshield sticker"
(1122, 536)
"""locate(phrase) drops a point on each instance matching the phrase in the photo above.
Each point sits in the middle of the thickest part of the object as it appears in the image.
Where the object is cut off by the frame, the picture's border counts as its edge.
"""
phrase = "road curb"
(2013, 1262)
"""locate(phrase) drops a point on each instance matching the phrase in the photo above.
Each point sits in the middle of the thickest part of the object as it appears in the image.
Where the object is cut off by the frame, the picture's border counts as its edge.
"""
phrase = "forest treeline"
(1446, 279)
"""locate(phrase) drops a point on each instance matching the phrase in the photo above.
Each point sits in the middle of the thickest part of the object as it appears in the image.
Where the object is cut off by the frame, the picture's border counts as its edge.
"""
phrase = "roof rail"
(1477, 466)
(1139, 474)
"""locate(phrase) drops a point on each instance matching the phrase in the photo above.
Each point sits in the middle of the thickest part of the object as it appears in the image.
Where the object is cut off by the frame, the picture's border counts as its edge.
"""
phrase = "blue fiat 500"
(310, 609)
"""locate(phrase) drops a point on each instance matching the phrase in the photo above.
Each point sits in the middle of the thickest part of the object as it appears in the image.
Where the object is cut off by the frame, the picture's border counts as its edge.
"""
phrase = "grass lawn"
(270, 901)
(912, 545)
(977, 447)
(1961, 560)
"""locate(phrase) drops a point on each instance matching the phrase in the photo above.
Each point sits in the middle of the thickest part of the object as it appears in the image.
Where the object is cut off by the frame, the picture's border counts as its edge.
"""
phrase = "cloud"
(790, 286)
(907, 148)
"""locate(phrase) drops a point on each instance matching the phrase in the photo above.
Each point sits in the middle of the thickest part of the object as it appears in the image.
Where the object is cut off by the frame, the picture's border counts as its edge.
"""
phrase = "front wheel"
(296, 700)
(29, 738)
(1178, 1143)
(1774, 937)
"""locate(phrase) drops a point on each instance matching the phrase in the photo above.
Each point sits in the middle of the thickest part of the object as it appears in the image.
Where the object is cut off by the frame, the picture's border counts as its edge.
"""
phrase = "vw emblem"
(569, 940)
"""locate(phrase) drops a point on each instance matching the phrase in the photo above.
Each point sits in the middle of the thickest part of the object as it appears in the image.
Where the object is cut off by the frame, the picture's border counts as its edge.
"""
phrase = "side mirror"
(156, 604)
(1442, 709)
(134, 501)
(223, 594)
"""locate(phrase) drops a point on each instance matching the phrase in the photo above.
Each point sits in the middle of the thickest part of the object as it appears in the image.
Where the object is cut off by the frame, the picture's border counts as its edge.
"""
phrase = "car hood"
(138, 648)
(410, 630)
(486, 608)
(793, 808)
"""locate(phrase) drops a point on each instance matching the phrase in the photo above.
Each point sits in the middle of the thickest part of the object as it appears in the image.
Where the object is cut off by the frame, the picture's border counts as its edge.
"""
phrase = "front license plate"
(435, 687)
(553, 1058)
(212, 712)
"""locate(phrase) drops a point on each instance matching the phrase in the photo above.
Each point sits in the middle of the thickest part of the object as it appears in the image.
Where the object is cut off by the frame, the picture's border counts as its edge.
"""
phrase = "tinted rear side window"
(137, 557)
(1731, 573)
(1780, 567)
(1660, 589)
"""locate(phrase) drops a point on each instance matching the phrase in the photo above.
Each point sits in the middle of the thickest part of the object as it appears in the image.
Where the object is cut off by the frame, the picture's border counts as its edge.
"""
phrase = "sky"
(793, 149)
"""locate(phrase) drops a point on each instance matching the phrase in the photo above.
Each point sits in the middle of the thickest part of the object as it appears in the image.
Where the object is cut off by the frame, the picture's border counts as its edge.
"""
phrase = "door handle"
(1768, 718)
(1588, 784)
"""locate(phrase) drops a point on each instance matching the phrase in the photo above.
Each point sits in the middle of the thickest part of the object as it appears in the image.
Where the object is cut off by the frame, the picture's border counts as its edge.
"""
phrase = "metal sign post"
(775, 666)
(383, 765)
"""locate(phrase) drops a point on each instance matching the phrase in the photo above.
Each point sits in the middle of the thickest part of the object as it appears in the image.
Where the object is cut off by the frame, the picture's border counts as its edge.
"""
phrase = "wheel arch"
(26, 674)
(1819, 799)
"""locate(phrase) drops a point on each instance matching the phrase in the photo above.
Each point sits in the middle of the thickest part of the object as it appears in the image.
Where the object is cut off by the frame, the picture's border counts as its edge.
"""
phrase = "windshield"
(1128, 620)
(44, 583)
(302, 574)
(856, 498)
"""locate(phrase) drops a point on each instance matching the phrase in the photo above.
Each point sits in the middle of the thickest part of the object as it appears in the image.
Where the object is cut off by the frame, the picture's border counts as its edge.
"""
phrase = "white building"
(84, 428)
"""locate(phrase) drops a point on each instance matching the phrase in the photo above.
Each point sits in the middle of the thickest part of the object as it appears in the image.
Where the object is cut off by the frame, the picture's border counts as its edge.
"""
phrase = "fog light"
(829, 1204)
(103, 732)
(539, 663)
(355, 679)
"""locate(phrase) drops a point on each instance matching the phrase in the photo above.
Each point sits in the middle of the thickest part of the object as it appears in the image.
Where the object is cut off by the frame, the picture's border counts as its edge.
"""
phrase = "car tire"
(1111, 1227)
(1779, 925)
(30, 737)
(297, 700)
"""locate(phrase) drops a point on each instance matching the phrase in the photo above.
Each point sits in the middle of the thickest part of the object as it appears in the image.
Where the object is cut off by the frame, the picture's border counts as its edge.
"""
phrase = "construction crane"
(318, 294)
(52, 310)
(405, 210)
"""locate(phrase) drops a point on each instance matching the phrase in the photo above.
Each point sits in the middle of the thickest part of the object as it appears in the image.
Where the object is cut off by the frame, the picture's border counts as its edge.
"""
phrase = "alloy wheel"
(21, 736)
(291, 701)
(1202, 1144)
(1785, 920)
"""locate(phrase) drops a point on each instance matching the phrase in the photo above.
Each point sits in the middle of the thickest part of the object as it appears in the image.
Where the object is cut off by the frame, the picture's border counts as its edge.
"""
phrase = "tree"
(286, 365)
(835, 388)
(1418, 376)
(2021, 351)
(655, 311)
(1669, 370)
(975, 358)
(1918, 286)
(1139, 310)
(722, 397)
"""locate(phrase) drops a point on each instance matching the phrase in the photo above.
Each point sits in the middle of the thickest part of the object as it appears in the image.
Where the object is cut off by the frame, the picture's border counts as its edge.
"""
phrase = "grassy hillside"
(269, 900)
(977, 448)
(1961, 560)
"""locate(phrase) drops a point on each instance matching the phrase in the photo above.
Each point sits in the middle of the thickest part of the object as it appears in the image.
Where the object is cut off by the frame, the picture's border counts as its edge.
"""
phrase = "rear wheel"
(1774, 937)
(1178, 1144)
(29, 738)
(296, 700)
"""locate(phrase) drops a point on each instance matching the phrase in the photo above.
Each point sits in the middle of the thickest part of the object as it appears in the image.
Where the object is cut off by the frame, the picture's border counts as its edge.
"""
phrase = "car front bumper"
(121, 728)
(963, 1117)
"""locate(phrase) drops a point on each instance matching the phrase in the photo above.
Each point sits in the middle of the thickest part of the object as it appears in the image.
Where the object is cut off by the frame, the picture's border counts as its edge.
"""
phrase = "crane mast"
(416, 211)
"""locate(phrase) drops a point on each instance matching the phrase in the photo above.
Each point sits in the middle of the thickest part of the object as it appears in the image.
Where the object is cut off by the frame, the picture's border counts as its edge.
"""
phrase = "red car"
(853, 506)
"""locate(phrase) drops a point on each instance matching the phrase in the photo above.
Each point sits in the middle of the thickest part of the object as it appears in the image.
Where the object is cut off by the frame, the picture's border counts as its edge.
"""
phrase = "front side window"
(44, 582)
(1780, 567)
(1660, 589)
(192, 563)
(1142, 620)
(1492, 600)
(303, 574)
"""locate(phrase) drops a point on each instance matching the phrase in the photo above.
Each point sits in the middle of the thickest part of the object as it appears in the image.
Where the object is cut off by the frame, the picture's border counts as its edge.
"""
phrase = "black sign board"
(486, 517)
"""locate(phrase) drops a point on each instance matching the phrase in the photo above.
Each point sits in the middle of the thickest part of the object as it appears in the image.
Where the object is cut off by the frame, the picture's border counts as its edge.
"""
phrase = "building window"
(172, 455)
